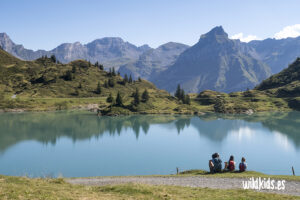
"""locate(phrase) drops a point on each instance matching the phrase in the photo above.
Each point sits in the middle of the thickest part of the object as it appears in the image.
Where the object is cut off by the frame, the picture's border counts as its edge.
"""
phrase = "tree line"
(181, 96)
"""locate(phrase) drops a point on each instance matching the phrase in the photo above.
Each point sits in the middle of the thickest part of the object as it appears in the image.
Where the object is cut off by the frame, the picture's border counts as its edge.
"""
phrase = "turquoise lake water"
(79, 144)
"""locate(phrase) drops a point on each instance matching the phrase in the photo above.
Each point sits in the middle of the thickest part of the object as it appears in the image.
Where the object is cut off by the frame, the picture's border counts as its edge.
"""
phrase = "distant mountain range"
(215, 62)
(110, 51)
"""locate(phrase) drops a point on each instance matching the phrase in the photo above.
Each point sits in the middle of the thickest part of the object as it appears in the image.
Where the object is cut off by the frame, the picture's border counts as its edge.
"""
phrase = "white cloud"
(243, 38)
(288, 31)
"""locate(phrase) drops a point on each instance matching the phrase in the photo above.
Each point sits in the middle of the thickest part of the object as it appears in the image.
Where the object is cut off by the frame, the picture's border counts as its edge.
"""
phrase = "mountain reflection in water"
(48, 127)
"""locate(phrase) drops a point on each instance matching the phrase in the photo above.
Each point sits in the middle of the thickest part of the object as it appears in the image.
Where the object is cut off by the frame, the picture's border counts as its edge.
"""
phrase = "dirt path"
(291, 187)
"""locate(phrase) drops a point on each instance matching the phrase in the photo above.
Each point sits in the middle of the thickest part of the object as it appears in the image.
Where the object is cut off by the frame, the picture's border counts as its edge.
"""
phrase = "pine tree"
(136, 96)
(53, 58)
(130, 79)
(105, 84)
(126, 78)
(220, 105)
(98, 90)
(101, 67)
(97, 64)
(68, 76)
(73, 69)
(113, 73)
(140, 80)
(79, 86)
(145, 96)
(89, 64)
(119, 74)
(111, 82)
(110, 98)
(119, 100)
(178, 92)
(182, 95)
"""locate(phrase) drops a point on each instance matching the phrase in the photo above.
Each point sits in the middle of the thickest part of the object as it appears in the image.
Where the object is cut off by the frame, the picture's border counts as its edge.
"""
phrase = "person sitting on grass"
(231, 164)
(211, 164)
(243, 165)
(215, 165)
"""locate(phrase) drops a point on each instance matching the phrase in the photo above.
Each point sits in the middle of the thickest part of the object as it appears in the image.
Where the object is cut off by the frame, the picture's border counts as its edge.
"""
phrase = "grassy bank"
(26, 188)
(236, 174)
(247, 174)
(156, 106)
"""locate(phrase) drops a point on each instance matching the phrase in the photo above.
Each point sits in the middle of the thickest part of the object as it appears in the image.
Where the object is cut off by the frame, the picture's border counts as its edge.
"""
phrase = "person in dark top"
(215, 165)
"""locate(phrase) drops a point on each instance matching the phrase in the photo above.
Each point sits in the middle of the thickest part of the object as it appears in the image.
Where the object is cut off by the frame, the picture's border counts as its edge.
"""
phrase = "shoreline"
(180, 186)
(93, 110)
(187, 173)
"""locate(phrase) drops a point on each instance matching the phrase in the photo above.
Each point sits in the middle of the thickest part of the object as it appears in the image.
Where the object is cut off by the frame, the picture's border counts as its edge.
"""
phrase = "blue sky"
(41, 24)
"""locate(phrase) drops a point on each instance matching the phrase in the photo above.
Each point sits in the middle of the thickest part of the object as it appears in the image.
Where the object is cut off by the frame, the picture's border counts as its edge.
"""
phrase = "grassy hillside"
(44, 84)
(289, 76)
(12, 188)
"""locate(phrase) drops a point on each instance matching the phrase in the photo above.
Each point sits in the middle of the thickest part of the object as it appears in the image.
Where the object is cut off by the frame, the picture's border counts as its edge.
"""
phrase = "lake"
(80, 144)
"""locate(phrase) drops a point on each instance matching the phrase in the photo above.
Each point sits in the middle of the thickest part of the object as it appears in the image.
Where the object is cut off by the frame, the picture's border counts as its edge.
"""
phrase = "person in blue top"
(243, 165)
(215, 165)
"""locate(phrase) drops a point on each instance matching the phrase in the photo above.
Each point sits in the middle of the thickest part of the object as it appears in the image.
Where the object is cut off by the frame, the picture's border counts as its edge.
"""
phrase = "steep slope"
(215, 63)
(18, 50)
(284, 84)
(154, 60)
(278, 54)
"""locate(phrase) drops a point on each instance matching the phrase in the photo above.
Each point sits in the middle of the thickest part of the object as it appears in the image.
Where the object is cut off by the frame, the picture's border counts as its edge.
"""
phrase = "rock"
(249, 112)
(92, 107)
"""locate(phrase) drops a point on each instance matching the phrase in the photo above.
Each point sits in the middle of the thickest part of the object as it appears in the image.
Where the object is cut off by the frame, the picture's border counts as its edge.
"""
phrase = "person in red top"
(231, 164)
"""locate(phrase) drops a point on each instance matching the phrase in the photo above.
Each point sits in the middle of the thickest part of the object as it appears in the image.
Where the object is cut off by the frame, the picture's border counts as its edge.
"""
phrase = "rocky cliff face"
(278, 54)
(154, 61)
(18, 50)
(215, 63)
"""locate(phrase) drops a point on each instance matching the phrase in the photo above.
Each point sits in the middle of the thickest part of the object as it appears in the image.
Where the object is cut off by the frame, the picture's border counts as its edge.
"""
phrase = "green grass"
(206, 174)
(15, 188)
(247, 174)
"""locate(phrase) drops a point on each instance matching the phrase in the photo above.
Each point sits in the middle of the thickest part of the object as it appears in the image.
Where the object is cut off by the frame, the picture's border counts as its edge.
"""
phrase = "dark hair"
(231, 158)
(243, 159)
(215, 155)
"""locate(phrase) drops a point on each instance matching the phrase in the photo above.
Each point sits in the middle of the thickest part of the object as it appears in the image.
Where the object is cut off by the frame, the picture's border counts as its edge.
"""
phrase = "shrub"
(61, 105)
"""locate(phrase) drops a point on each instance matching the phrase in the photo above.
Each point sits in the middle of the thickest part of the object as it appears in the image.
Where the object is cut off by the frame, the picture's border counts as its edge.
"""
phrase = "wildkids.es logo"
(263, 184)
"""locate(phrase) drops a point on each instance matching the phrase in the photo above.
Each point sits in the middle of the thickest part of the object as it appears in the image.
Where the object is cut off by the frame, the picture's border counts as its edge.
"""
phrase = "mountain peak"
(108, 40)
(144, 47)
(5, 37)
(218, 30)
(215, 33)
